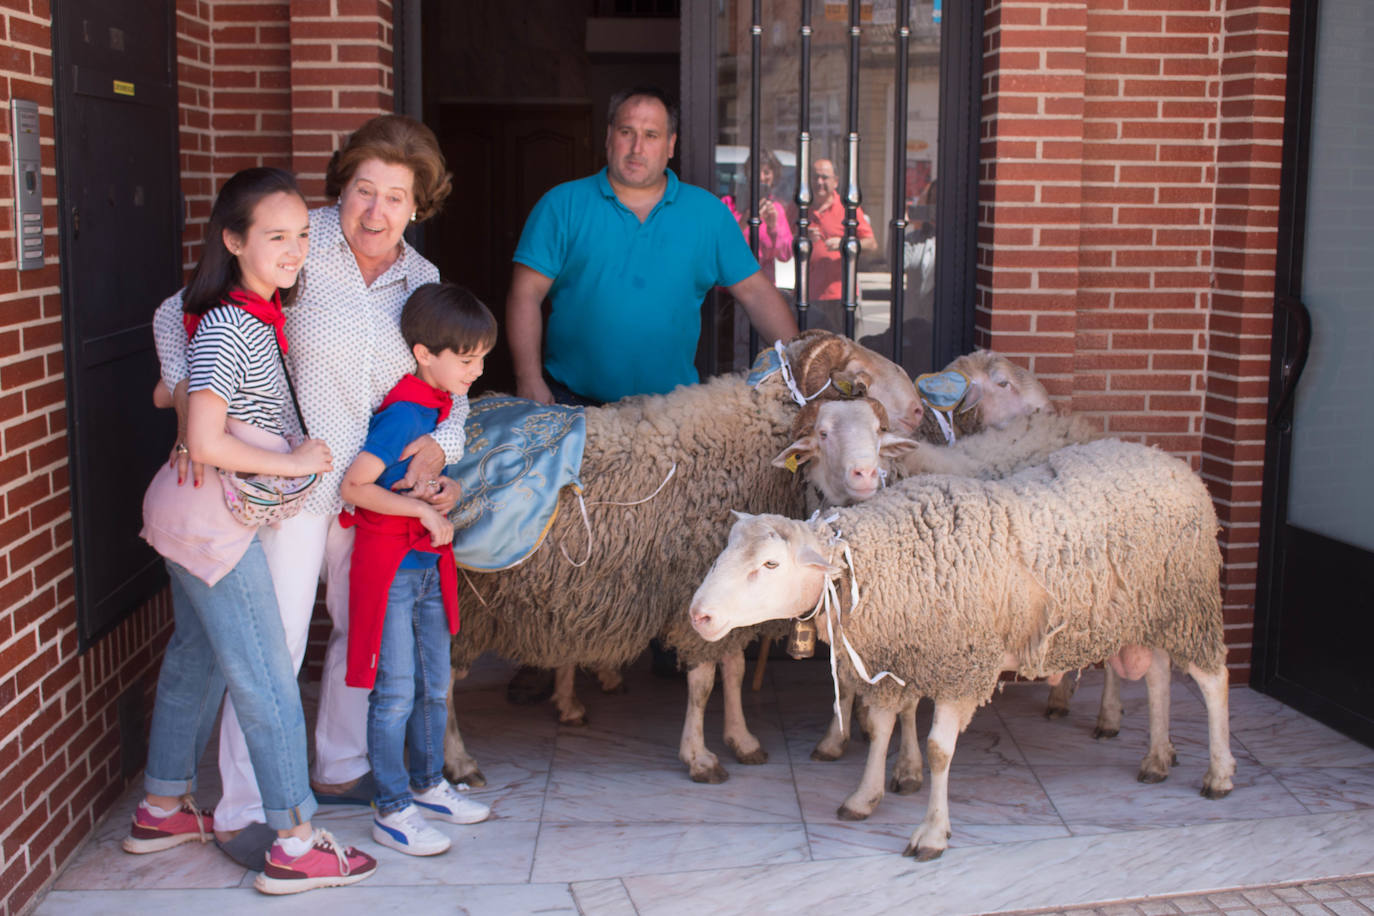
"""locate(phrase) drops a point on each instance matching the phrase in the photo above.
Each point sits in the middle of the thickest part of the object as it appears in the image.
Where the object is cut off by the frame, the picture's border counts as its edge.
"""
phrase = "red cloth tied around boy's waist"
(385, 540)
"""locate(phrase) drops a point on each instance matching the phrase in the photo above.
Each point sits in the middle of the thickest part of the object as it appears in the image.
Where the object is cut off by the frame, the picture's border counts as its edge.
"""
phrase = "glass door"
(820, 105)
(1317, 601)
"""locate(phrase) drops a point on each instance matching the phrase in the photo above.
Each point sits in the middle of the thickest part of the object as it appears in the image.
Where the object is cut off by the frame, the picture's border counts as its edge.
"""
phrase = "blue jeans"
(231, 635)
(408, 706)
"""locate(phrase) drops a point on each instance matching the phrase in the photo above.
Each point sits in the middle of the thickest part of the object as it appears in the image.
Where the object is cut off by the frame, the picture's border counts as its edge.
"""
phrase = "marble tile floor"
(603, 820)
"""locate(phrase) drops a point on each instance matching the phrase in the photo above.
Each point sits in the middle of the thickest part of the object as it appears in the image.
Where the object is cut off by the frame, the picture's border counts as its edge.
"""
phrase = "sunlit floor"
(603, 820)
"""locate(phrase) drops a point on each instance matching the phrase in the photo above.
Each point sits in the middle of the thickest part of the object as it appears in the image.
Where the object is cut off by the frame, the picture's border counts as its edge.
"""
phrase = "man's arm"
(767, 309)
(525, 331)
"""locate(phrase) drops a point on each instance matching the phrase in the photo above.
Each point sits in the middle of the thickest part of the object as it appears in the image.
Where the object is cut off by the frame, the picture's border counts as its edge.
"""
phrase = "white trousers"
(299, 552)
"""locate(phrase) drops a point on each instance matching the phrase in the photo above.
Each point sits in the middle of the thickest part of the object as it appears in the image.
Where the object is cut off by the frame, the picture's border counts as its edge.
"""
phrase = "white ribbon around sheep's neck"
(786, 369)
(830, 603)
(946, 426)
(587, 522)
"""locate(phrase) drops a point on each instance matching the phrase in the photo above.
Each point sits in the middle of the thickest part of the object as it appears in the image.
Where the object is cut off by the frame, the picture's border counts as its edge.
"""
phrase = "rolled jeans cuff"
(294, 816)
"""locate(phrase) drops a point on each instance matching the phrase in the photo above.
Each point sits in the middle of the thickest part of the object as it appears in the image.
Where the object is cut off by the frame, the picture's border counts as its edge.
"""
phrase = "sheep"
(644, 560)
(998, 391)
(827, 447)
(955, 580)
(845, 448)
(848, 450)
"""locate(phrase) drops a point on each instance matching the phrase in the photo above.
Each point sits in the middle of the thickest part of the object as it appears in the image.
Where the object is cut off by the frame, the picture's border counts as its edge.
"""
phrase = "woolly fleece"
(1106, 544)
(646, 560)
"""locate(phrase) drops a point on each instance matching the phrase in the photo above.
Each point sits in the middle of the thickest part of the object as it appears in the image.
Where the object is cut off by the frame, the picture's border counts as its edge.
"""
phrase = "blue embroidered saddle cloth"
(519, 455)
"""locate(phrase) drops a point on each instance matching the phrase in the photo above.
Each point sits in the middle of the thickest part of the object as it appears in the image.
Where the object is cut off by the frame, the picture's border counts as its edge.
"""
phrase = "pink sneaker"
(151, 833)
(327, 864)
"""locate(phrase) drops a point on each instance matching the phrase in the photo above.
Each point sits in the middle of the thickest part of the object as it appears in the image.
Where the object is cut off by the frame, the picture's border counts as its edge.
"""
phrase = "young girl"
(228, 630)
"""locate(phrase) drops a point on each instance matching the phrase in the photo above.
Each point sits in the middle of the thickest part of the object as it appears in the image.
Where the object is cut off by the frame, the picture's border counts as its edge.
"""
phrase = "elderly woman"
(346, 353)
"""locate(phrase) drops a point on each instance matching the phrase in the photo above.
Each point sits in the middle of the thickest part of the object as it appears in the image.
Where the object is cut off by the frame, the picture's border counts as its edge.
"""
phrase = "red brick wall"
(340, 77)
(42, 702)
(237, 71)
(1128, 204)
(1254, 45)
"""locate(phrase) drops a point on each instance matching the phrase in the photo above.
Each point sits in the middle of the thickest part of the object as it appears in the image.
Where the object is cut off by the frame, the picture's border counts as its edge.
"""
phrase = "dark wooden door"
(503, 156)
(1315, 607)
(119, 213)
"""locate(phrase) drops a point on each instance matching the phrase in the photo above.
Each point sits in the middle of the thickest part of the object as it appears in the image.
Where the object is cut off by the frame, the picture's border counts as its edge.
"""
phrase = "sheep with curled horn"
(644, 560)
(998, 391)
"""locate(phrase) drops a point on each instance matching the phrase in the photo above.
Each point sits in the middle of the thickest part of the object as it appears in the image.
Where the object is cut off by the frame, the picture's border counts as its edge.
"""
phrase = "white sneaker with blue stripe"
(406, 831)
(446, 802)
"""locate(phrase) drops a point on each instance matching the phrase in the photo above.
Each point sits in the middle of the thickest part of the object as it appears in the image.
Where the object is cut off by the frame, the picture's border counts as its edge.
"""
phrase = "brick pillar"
(1031, 209)
(1254, 37)
(340, 76)
(250, 109)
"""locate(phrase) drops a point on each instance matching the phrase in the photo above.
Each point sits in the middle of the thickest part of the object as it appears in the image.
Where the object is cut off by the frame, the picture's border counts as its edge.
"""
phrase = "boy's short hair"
(446, 316)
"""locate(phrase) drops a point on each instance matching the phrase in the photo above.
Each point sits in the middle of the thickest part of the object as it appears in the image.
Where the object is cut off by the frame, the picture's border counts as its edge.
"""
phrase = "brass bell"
(801, 642)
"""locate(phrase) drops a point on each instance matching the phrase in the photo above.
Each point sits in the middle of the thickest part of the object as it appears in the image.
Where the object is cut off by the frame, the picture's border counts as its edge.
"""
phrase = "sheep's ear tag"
(791, 463)
(846, 387)
(942, 391)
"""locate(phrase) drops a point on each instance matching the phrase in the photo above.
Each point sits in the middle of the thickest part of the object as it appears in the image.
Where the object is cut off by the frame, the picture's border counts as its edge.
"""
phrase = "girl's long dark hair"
(218, 270)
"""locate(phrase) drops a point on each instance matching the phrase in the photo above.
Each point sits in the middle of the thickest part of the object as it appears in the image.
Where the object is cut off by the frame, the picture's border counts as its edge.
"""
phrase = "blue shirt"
(388, 434)
(627, 295)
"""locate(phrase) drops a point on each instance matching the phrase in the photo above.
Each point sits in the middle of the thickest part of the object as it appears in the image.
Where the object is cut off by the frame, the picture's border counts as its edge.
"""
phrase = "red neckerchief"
(416, 390)
(266, 311)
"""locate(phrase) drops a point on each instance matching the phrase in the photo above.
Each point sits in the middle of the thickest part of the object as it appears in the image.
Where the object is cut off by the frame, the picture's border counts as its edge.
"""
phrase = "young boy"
(403, 595)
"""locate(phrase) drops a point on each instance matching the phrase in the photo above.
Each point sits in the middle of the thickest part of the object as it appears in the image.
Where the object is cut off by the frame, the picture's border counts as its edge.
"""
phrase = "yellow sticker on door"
(123, 88)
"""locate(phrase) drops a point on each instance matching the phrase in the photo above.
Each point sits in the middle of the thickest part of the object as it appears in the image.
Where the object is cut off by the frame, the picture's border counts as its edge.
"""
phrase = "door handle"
(1293, 364)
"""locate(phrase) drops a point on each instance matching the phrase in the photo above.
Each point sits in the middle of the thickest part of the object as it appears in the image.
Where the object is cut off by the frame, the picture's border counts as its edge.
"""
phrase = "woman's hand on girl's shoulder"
(312, 457)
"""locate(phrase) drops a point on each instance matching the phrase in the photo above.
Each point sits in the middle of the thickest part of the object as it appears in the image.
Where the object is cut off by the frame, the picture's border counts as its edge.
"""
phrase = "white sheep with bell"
(946, 582)
(839, 439)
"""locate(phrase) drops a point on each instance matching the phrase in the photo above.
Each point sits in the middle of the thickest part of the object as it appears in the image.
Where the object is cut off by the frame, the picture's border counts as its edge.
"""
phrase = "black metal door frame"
(961, 68)
(1279, 542)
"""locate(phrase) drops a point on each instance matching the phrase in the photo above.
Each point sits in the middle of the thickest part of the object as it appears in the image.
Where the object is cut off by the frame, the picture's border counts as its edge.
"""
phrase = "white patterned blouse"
(346, 350)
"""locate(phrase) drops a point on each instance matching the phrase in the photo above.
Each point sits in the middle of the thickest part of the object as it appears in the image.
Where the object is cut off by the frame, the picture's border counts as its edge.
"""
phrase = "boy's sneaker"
(326, 864)
(446, 802)
(151, 833)
(406, 831)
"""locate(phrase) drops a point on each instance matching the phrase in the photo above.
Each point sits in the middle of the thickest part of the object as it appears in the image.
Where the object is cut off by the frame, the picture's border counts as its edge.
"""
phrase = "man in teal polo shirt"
(626, 256)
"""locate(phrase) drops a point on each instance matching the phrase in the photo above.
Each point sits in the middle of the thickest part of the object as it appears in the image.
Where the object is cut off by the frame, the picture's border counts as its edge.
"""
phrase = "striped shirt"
(346, 349)
(234, 355)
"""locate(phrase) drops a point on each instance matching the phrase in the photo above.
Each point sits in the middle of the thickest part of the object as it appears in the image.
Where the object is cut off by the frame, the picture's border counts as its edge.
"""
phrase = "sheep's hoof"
(846, 813)
(1150, 777)
(827, 756)
(1215, 792)
(922, 854)
(1101, 732)
(753, 758)
(615, 689)
(577, 721)
(907, 785)
(713, 775)
(1056, 712)
(473, 778)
